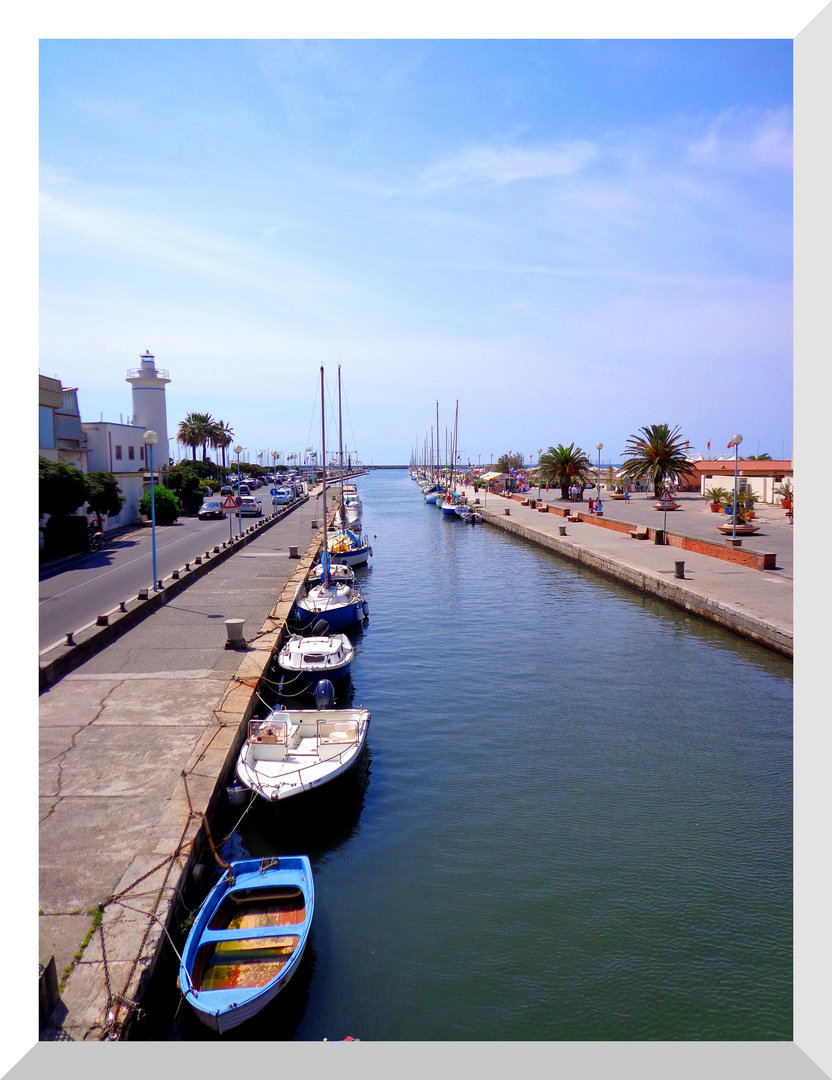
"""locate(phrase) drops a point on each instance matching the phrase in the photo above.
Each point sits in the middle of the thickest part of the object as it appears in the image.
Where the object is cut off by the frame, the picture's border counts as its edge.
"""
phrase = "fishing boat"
(247, 939)
(296, 750)
(304, 661)
(340, 603)
(467, 514)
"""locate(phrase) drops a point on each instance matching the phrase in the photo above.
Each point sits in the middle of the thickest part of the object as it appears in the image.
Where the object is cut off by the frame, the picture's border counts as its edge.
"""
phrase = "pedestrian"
(589, 503)
(626, 495)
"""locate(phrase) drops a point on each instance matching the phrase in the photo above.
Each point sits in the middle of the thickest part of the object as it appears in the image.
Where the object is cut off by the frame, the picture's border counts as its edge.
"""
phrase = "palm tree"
(222, 437)
(188, 435)
(656, 453)
(564, 466)
(196, 430)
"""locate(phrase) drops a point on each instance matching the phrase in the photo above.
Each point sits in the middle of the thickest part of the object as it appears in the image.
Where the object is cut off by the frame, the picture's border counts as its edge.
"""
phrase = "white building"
(119, 448)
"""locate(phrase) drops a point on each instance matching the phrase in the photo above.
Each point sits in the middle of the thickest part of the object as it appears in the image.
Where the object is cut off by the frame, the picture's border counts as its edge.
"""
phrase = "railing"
(148, 373)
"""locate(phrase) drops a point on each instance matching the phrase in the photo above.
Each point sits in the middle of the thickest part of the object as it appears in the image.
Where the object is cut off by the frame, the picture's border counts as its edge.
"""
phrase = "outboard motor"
(321, 628)
(324, 695)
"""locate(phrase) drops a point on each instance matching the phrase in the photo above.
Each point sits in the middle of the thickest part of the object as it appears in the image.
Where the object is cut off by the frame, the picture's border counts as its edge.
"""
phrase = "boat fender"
(371, 551)
(365, 608)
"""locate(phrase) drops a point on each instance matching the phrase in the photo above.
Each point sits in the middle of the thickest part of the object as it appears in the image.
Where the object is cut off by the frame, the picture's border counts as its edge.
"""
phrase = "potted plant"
(746, 500)
(717, 498)
(786, 493)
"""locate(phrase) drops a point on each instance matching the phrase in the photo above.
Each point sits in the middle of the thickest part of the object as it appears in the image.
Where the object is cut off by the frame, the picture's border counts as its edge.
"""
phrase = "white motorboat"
(337, 572)
(306, 660)
(296, 750)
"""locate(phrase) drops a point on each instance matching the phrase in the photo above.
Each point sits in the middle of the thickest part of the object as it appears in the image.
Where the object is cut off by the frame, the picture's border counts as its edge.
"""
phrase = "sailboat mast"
(453, 446)
(325, 557)
(341, 454)
(437, 440)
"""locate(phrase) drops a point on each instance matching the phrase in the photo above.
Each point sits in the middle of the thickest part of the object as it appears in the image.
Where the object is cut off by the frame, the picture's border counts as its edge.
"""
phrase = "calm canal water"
(573, 819)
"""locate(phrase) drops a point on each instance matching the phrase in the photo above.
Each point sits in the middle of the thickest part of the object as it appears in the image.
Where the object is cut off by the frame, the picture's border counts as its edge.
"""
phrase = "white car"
(251, 507)
(284, 495)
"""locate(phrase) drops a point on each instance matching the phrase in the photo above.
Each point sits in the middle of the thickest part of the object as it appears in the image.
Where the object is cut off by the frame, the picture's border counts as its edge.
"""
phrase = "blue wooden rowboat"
(247, 939)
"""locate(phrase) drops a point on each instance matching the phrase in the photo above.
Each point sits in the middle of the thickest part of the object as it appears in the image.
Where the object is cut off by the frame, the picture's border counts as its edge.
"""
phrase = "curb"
(75, 655)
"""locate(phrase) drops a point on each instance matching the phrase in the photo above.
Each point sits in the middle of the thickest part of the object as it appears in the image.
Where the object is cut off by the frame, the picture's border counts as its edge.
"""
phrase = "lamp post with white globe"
(238, 450)
(736, 440)
(599, 446)
(150, 438)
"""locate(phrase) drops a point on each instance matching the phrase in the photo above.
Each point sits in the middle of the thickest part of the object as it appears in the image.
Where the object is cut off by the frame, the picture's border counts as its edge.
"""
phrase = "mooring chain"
(113, 1026)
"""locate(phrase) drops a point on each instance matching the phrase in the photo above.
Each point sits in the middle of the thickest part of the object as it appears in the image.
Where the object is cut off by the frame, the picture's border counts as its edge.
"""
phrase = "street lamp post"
(539, 452)
(599, 446)
(736, 440)
(238, 450)
(150, 439)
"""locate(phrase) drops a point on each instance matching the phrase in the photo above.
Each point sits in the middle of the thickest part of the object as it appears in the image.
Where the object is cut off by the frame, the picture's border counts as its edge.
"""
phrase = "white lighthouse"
(149, 407)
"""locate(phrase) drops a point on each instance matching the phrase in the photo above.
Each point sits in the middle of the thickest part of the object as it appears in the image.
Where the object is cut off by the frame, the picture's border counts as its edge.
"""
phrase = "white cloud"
(747, 139)
(507, 164)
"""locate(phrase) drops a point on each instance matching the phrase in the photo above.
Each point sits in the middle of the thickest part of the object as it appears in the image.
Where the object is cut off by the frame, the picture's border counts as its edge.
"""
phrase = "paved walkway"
(756, 603)
(114, 737)
(695, 519)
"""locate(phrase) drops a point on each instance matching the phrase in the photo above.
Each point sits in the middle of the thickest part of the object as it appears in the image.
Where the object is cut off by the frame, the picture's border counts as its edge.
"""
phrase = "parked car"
(244, 489)
(251, 507)
(299, 492)
(211, 508)
(284, 495)
(226, 489)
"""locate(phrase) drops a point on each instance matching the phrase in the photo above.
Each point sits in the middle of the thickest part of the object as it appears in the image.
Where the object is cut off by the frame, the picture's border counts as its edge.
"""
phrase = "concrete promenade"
(757, 604)
(115, 735)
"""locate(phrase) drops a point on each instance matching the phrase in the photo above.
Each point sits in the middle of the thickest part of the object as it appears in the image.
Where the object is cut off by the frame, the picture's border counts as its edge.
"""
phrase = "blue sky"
(574, 238)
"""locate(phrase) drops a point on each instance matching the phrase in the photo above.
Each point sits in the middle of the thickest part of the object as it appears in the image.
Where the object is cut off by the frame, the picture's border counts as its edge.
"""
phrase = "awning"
(494, 476)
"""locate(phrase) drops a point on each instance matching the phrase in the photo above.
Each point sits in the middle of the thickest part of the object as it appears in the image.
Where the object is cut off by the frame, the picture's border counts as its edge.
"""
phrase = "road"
(75, 593)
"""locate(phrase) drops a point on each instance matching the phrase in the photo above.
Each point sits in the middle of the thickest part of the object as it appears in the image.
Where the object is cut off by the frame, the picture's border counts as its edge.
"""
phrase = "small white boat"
(304, 661)
(296, 750)
(337, 572)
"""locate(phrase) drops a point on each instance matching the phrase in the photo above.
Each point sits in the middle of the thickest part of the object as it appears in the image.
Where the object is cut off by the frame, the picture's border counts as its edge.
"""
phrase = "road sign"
(238, 502)
(273, 492)
(229, 503)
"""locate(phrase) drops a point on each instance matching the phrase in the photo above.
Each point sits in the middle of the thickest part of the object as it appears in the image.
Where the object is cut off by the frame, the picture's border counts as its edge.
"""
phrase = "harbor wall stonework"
(739, 622)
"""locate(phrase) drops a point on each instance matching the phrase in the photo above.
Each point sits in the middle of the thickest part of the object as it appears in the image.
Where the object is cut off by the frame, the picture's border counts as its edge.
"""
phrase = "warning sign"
(230, 504)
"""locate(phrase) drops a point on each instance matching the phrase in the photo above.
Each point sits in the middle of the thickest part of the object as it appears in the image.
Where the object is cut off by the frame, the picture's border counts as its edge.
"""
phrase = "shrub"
(167, 506)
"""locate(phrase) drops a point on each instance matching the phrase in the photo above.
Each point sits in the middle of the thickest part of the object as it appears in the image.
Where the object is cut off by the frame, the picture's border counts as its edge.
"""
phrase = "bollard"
(122, 605)
(507, 512)
(175, 575)
(234, 630)
(142, 594)
(658, 538)
(102, 620)
(293, 552)
(159, 585)
(680, 569)
(314, 524)
(198, 560)
(187, 566)
(69, 639)
(216, 548)
(561, 530)
(207, 556)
